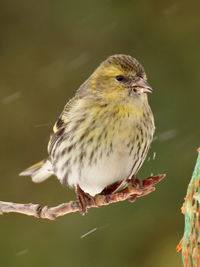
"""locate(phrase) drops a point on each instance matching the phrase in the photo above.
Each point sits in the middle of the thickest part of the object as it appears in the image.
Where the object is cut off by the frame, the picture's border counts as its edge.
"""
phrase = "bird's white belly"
(109, 169)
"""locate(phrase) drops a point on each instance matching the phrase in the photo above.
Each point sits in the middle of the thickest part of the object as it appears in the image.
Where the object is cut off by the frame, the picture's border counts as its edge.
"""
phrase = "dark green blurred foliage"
(47, 49)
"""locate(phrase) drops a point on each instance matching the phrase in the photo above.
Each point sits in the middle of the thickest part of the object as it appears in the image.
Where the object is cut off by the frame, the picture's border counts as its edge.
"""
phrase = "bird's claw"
(84, 200)
(134, 181)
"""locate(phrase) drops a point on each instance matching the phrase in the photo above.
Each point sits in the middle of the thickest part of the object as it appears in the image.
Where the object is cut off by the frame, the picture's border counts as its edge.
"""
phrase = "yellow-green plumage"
(104, 132)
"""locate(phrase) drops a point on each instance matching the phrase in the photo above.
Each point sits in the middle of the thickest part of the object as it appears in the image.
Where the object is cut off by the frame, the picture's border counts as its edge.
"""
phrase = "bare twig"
(131, 192)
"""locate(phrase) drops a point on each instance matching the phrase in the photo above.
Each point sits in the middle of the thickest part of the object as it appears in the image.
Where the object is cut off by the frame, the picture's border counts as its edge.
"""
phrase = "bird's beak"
(141, 86)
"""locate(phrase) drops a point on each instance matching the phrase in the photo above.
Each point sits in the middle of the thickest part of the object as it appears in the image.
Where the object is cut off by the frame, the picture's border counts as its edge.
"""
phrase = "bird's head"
(119, 76)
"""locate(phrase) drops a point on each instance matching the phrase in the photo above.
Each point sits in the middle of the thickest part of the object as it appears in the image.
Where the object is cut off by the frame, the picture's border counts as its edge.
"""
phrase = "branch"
(131, 192)
(190, 243)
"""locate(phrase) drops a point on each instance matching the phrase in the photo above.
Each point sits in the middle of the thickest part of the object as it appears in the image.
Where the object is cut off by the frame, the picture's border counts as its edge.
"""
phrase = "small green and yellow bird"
(104, 133)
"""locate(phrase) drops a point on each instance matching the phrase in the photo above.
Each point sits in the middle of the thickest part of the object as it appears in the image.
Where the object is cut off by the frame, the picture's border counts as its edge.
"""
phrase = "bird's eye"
(119, 78)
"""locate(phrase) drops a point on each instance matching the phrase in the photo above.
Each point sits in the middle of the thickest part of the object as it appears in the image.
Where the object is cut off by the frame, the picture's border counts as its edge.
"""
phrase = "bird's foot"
(134, 181)
(84, 200)
(111, 188)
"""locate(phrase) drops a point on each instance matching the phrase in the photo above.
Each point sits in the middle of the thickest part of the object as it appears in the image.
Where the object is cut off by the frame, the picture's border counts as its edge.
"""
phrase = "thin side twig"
(131, 192)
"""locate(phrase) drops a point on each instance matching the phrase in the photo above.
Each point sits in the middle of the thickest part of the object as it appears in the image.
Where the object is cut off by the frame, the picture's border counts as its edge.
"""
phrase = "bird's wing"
(60, 124)
(63, 120)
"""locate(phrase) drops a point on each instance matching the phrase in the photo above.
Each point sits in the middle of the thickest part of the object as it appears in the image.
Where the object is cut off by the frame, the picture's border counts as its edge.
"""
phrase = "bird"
(104, 132)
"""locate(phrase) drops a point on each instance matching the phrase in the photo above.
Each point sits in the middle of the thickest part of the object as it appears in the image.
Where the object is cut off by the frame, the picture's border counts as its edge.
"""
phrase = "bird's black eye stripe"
(119, 78)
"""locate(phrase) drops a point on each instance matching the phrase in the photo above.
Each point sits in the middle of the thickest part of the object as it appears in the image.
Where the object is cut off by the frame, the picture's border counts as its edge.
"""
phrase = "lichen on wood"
(190, 243)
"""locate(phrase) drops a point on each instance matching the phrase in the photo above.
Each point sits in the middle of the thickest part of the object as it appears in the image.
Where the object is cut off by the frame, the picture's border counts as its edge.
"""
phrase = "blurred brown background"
(47, 49)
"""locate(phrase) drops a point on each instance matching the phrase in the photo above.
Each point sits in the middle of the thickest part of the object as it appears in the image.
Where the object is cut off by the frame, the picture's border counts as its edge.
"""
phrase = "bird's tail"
(39, 171)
